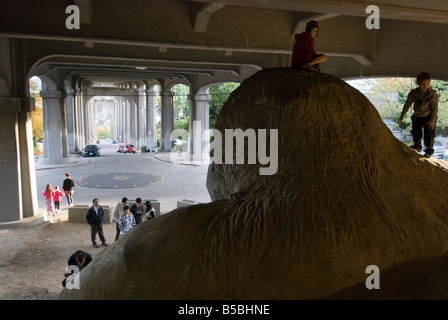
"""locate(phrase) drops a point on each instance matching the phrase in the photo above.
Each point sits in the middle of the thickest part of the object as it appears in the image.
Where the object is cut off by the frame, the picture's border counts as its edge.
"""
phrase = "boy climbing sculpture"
(424, 118)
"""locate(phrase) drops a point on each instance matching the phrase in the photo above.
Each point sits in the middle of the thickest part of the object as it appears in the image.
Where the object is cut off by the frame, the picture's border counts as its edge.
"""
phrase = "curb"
(168, 159)
(27, 222)
(68, 165)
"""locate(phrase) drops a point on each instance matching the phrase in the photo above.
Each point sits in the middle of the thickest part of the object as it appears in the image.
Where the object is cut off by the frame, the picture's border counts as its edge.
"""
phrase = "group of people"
(423, 98)
(53, 197)
(127, 217)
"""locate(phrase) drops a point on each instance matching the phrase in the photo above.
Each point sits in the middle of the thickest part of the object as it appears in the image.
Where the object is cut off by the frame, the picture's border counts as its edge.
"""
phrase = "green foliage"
(37, 115)
(388, 95)
(220, 93)
(442, 120)
(103, 132)
(181, 124)
(181, 104)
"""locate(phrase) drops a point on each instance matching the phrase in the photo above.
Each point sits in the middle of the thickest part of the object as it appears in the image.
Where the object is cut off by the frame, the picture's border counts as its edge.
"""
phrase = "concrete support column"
(199, 125)
(118, 120)
(150, 133)
(133, 121)
(85, 103)
(121, 120)
(18, 191)
(70, 118)
(53, 127)
(113, 121)
(64, 139)
(167, 120)
(92, 122)
(78, 120)
(87, 110)
(124, 120)
(141, 118)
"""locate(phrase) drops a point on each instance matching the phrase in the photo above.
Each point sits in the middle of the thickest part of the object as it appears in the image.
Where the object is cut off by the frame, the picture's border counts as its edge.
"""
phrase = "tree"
(37, 115)
(181, 104)
(388, 95)
(220, 93)
(442, 117)
(158, 107)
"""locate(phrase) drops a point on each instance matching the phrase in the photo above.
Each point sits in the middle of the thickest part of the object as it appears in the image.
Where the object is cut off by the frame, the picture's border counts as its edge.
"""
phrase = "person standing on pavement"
(117, 213)
(94, 218)
(126, 221)
(68, 186)
(137, 210)
(48, 194)
(57, 197)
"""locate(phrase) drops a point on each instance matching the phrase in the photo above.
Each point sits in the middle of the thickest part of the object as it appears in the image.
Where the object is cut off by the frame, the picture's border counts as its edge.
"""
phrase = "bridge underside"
(134, 45)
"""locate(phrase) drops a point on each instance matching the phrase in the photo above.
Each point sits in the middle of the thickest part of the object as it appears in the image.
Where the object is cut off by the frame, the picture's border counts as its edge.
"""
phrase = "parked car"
(114, 142)
(120, 148)
(91, 150)
(438, 153)
(129, 148)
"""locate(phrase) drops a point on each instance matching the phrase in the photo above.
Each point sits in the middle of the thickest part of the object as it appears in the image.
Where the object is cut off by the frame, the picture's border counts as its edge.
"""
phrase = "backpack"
(150, 214)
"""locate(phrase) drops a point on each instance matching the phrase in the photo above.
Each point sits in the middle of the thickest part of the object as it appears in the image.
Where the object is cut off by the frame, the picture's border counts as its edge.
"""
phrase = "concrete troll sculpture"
(346, 195)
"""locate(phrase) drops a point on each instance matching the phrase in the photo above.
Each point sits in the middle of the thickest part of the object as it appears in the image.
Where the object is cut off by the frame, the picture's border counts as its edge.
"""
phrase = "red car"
(129, 148)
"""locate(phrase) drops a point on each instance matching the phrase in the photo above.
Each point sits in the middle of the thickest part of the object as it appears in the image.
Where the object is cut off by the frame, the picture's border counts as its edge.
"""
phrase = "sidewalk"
(73, 160)
(181, 158)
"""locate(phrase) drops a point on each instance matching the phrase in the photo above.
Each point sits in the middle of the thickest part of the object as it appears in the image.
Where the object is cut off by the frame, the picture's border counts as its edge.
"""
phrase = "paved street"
(114, 175)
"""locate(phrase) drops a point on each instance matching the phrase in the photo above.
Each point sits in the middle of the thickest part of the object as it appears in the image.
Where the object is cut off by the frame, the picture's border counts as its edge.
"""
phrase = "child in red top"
(48, 194)
(303, 54)
(57, 197)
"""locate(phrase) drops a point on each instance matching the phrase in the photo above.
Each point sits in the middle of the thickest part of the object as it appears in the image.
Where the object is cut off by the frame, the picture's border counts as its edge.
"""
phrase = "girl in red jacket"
(57, 197)
(48, 194)
(303, 54)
